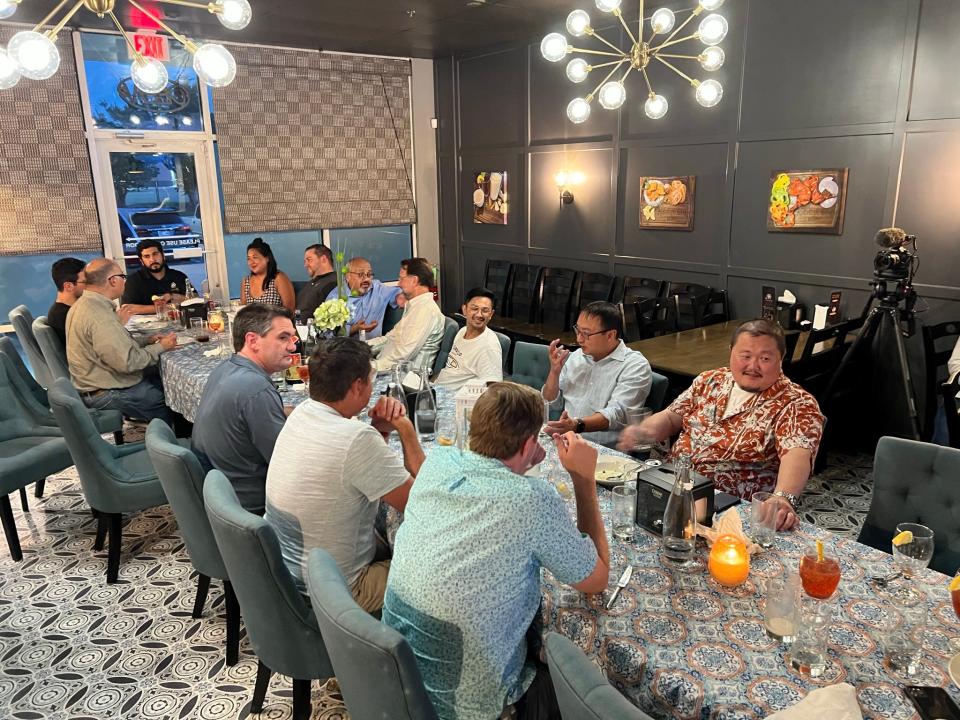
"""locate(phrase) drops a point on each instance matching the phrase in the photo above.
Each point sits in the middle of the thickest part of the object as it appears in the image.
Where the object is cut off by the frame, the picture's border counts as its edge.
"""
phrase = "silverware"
(884, 580)
(621, 583)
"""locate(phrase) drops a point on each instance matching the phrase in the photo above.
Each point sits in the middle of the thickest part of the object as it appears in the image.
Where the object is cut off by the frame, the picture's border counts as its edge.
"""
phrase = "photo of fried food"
(676, 193)
(653, 191)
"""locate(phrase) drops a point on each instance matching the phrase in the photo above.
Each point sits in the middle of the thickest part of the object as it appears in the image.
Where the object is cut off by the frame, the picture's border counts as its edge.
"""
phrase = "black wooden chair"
(655, 316)
(594, 287)
(496, 279)
(556, 297)
(713, 310)
(522, 293)
(938, 343)
(638, 288)
(691, 302)
(821, 355)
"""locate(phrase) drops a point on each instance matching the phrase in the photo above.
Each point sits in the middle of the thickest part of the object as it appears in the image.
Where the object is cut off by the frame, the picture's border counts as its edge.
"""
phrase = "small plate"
(612, 470)
(953, 667)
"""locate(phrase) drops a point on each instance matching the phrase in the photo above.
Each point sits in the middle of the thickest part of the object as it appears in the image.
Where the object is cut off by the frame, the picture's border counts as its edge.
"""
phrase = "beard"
(156, 267)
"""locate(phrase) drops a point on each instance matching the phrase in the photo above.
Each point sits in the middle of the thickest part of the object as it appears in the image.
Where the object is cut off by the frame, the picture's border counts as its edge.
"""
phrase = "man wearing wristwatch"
(747, 427)
(601, 386)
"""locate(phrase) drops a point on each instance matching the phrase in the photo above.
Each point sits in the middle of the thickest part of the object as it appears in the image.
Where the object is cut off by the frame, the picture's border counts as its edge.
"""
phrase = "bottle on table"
(679, 518)
(425, 408)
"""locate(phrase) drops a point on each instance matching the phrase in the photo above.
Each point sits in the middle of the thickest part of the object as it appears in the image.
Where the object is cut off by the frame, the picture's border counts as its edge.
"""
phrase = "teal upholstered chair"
(658, 392)
(28, 381)
(450, 329)
(918, 483)
(281, 626)
(22, 321)
(531, 364)
(182, 479)
(391, 316)
(115, 480)
(54, 354)
(365, 652)
(583, 693)
(504, 348)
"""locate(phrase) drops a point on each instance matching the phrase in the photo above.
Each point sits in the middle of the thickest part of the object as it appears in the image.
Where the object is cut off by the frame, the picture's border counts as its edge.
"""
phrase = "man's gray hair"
(256, 319)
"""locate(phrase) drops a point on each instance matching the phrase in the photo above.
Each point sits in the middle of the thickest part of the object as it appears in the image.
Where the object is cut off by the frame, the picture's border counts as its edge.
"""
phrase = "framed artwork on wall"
(667, 202)
(810, 201)
(490, 206)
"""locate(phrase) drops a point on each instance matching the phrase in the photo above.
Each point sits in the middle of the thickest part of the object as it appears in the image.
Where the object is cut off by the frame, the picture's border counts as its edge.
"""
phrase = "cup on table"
(447, 430)
(278, 381)
(160, 308)
(763, 518)
(902, 646)
(624, 513)
(781, 608)
(808, 655)
(636, 417)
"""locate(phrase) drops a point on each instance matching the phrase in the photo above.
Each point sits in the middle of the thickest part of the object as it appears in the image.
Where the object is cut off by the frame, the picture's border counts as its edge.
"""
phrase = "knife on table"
(621, 583)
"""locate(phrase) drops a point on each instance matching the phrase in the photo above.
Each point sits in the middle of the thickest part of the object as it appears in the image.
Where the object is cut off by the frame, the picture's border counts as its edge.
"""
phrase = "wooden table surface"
(533, 331)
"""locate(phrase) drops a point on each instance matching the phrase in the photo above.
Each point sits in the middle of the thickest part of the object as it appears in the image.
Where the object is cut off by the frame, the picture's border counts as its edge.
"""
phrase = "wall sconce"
(564, 180)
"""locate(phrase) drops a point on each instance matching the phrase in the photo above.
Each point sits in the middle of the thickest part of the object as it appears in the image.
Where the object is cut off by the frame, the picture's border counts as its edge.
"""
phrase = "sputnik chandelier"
(611, 93)
(33, 54)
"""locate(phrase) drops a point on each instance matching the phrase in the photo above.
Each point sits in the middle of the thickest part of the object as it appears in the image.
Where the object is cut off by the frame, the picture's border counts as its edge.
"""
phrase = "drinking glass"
(160, 308)
(215, 321)
(819, 577)
(401, 370)
(955, 597)
(808, 654)
(624, 512)
(277, 380)
(644, 444)
(763, 518)
(447, 430)
(303, 370)
(781, 608)
(902, 646)
(911, 558)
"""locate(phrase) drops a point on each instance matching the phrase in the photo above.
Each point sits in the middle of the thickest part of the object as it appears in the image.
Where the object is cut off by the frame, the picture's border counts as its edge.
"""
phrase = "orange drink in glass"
(819, 573)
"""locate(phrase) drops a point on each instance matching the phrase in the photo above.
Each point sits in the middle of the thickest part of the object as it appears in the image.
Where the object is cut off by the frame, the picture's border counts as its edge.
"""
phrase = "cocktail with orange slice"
(819, 572)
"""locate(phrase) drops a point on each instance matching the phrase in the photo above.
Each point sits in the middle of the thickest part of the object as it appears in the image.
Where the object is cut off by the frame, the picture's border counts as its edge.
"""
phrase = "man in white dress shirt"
(416, 338)
(602, 385)
(476, 353)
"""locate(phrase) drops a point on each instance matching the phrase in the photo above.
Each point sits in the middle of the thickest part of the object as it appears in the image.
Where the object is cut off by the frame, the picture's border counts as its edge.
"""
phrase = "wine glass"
(955, 598)
(912, 551)
(303, 370)
(215, 321)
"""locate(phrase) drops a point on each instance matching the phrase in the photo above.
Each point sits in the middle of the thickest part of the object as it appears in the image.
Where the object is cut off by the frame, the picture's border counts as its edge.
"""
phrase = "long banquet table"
(678, 644)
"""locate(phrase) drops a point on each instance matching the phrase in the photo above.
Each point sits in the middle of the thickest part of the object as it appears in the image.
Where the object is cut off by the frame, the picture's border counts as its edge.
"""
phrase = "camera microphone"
(891, 238)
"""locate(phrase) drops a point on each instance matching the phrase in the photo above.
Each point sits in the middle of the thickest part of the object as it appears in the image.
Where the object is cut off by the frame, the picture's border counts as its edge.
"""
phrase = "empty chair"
(655, 316)
(583, 693)
(504, 347)
(691, 303)
(54, 354)
(938, 343)
(531, 364)
(281, 626)
(36, 390)
(182, 479)
(522, 294)
(365, 652)
(391, 316)
(714, 309)
(450, 329)
(22, 321)
(658, 391)
(593, 287)
(556, 297)
(496, 279)
(638, 288)
(916, 482)
(115, 480)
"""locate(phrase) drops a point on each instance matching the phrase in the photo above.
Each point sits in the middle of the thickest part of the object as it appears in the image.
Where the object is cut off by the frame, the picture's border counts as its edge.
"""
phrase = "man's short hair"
(147, 243)
(66, 270)
(480, 292)
(503, 418)
(607, 313)
(335, 365)
(322, 251)
(405, 263)
(759, 327)
(420, 269)
(257, 319)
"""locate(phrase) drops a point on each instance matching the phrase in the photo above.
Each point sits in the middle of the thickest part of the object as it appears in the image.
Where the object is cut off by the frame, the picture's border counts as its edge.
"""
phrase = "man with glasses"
(68, 276)
(368, 298)
(476, 353)
(318, 260)
(600, 387)
(106, 364)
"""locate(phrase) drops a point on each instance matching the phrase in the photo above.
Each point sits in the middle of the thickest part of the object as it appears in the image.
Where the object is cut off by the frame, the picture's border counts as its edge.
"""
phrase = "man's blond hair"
(503, 418)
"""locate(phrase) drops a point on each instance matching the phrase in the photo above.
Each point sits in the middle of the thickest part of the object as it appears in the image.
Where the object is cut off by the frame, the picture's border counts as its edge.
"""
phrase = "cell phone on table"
(933, 703)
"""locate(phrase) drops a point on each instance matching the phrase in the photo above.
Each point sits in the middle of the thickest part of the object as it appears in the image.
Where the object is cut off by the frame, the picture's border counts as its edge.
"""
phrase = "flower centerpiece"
(331, 316)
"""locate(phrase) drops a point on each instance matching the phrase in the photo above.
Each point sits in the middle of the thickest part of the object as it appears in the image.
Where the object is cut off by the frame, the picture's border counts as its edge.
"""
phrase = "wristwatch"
(794, 500)
(580, 426)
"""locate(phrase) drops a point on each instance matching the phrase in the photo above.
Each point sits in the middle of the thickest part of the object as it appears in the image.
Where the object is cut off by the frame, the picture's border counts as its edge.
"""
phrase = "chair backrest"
(948, 391)
(714, 309)
(638, 288)
(496, 279)
(655, 316)
(531, 364)
(391, 316)
(182, 479)
(280, 625)
(523, 294)
(365, 652)
(916, 482)
(22, 321)
(28, 381)
(593, 287)
(938, 343)
(583, 693)
(504, 347)
(450, 329)
(658, 392)
(53, 351)
(556, 297)
(19, 413)
(691, 301)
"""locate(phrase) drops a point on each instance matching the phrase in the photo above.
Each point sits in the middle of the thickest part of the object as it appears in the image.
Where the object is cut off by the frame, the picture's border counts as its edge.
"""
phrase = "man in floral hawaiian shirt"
(746, 426)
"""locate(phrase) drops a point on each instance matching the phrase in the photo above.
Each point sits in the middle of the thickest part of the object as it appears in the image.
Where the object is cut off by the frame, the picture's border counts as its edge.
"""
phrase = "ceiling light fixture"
(33, 54)
(611, 92)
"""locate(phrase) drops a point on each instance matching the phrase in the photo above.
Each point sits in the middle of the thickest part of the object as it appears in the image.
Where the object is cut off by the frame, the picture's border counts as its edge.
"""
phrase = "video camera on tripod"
(896, 262)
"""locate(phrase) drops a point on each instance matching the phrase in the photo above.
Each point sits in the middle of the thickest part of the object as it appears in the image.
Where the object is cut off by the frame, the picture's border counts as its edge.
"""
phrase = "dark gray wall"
(868, 86)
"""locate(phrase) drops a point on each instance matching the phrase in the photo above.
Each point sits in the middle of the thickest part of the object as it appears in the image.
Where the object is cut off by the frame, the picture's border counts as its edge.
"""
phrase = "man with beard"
(368, 298)
(154, 279)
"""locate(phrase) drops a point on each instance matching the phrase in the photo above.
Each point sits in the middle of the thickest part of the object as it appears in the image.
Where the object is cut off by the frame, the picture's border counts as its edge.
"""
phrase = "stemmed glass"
(912, 550)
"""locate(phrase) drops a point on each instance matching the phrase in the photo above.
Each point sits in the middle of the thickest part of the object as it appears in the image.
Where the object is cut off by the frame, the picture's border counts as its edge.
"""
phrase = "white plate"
(953, 667)
(828, 183)
(652, 203)
(612, 470)
(478, 197)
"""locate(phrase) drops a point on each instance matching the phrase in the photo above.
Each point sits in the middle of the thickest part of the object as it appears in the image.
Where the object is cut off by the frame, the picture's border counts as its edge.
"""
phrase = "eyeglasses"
(361, 275)
(482, 311)
(584, 334)
(119, 275)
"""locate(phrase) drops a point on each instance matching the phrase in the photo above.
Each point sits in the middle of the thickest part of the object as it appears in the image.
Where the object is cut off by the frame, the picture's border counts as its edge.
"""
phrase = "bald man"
(368, 298)
(106, 364)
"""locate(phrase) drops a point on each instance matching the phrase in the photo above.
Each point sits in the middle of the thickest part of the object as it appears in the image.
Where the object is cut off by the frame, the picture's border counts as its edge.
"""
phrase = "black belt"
(92, 393)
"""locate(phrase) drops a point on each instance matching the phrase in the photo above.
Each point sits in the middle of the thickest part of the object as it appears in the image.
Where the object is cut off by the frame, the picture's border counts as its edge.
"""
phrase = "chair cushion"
(26, 460)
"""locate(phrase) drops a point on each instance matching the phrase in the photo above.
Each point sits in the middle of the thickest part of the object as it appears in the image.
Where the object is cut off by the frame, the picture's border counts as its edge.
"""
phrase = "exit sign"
(153, 46)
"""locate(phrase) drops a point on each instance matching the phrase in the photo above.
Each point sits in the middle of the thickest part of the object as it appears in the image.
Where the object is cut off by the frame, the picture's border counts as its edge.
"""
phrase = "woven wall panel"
(47, 203)
(309, 140)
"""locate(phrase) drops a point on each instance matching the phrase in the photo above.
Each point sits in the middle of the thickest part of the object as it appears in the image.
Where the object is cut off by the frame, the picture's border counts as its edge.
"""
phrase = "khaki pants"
(370, 585)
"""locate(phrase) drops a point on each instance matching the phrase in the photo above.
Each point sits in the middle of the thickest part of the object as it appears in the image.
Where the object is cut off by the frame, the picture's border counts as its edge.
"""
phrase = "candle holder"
(729, 562)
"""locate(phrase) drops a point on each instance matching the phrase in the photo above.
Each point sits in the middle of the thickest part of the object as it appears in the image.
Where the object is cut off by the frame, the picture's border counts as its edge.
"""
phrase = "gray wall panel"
(493, 98)
(935, 72)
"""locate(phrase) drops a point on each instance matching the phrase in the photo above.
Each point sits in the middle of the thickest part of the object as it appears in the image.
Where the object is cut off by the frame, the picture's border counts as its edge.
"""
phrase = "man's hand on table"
(125, 312)
(563, 424)
(387, 415)
(167, 342)
(786, 516)
(578, 457)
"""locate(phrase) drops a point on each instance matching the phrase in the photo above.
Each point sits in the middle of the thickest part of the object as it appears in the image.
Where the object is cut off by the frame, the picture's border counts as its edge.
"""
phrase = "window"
(384, 247)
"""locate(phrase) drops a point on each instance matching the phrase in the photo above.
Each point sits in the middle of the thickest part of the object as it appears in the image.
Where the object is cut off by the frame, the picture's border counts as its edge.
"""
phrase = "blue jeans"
(142, 401)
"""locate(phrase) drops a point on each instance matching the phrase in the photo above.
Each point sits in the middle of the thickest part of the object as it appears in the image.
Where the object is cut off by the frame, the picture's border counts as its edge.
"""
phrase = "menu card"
(768, 306)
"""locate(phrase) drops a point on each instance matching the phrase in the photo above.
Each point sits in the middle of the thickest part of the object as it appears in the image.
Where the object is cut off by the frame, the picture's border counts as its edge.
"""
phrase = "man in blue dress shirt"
(368, 298)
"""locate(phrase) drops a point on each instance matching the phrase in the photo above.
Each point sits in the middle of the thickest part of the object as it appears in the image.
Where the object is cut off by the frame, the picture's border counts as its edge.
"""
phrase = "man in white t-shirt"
(329, 471)
(476, 353)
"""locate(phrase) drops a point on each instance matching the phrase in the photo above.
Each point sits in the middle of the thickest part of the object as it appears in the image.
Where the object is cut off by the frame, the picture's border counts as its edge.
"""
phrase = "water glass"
(160, 308)
(902, 646)
(914, 556)
(447, 430)
(278, 382)
(809, 652)
(644, 445)
(624, 513)
(763, 518)
(781, 608)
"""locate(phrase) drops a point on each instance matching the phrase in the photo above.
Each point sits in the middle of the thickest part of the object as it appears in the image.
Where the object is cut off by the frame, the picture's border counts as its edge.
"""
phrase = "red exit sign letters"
(153, 46)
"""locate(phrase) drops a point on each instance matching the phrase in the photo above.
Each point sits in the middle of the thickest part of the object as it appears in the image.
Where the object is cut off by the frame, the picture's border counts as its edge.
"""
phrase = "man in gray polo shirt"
(241, 414)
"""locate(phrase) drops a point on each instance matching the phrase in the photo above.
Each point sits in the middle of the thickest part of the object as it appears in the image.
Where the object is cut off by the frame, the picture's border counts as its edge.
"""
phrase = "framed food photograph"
(811, 201)
(667, 202)
(490, 204)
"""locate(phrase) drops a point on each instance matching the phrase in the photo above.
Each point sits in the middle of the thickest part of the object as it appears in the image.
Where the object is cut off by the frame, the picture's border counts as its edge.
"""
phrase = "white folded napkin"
(837, 702)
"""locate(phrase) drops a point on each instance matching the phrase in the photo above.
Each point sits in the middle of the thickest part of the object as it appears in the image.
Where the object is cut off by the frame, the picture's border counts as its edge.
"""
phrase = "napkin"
(837, 702)
(788, 297)
(729, 523)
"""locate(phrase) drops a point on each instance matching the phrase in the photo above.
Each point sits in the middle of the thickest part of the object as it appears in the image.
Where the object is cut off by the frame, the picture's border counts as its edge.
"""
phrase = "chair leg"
(38, 489)
(115, 529)
(9, 529)
(233, 624)
(101, 530)
(23, 500)
(203, 585)
(118, 437)
(301, 699)
(260, 688)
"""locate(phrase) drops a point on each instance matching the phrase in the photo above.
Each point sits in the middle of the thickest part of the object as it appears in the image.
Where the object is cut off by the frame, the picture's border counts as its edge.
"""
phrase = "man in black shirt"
(153, 279)
(318, 260)
(70, 280)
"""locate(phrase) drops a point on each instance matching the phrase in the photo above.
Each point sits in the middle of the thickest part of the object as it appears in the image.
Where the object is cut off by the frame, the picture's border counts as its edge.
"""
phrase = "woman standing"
(265, 284)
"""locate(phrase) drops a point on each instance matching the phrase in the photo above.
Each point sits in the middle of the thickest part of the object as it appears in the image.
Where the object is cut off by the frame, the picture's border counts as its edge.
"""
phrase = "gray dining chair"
(365, 652)
(504, 348)
(280, 625)
(36, 390)
(583, 693)
(391, 316)
(450, 329)
(115, 480)
(181, 476)
(916, 482)
(531, 364)
(22, 320)
(54, 354)
(658, 392)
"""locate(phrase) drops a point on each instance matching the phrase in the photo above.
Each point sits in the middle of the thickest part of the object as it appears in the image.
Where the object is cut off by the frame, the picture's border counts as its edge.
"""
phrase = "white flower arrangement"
(331, 314)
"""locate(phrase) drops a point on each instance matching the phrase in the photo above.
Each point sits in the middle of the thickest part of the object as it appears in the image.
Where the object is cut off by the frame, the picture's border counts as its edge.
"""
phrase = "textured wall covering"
(47, 202)
(311, 140)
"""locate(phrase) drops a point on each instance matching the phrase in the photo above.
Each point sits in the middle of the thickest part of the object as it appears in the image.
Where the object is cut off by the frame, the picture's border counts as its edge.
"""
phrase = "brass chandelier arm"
(640, 23)
(136, 53)
(60, 5)
(606, 42)
(213, 8)
(606, 64)
(693, 13)
(647, 79)
(668, 43)
(680, 57)
(678, 71)
(601, 83)
(182, 39)
(572, 49)
(55, 30)
(625, 26)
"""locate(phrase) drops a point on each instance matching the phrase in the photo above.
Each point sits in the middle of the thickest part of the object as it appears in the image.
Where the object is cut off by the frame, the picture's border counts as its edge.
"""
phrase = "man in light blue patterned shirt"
(600, 387)
(464, 585)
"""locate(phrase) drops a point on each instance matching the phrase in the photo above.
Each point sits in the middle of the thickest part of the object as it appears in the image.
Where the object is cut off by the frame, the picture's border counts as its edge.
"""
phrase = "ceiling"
(414, 28)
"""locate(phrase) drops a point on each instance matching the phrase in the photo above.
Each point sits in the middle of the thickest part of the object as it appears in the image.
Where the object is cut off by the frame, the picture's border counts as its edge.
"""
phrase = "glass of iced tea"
(215, 321)
(303, 371)
(819, 572)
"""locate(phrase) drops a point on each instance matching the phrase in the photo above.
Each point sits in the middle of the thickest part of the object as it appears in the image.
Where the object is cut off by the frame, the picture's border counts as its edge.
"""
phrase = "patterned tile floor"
(74, 648)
